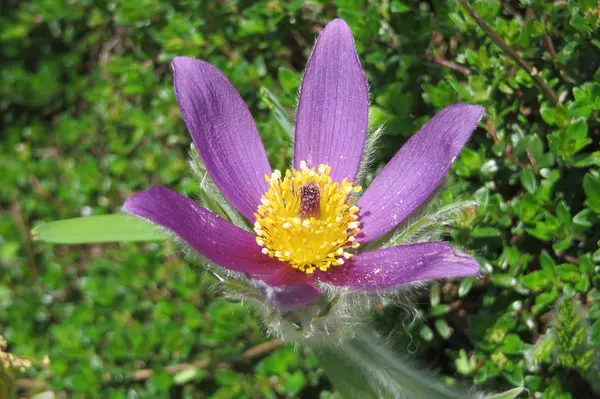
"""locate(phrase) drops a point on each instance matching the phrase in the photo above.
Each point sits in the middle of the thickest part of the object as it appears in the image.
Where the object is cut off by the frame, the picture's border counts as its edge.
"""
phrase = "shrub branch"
(544, 87)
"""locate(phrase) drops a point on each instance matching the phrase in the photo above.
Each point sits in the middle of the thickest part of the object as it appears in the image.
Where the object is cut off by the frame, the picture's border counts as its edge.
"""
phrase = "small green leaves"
(89, 115)
(568, 142)
(98, 229)
(571, 342)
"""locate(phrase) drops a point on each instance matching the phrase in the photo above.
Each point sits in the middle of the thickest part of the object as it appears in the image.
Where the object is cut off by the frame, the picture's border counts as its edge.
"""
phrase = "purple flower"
(308, 225)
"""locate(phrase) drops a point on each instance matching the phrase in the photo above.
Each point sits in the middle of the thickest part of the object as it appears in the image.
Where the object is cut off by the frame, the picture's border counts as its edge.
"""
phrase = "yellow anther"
(353, 225)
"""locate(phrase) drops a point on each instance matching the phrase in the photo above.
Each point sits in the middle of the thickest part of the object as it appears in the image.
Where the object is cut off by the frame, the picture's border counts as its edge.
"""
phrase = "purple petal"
(416, 170)
(333, 110)
(285, 276)
(223, 132)
(215, 238)
(297, 295)
(289, 287)
(386, 268)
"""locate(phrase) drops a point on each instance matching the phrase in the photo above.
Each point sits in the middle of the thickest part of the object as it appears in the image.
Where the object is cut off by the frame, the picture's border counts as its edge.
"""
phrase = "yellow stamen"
(307, 219)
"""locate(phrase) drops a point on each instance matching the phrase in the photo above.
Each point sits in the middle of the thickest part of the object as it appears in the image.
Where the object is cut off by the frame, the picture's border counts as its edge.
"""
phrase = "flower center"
(307, 219)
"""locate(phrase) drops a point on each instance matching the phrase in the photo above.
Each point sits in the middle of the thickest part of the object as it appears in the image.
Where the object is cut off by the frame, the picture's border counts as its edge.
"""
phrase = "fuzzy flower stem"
(366, 367)
(544, 87)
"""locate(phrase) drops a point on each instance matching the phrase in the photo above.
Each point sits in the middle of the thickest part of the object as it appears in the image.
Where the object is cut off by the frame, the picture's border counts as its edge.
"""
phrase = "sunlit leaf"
(98, 229)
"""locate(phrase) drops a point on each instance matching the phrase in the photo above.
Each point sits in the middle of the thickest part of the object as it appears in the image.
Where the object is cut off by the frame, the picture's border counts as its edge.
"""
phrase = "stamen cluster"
(307, 219)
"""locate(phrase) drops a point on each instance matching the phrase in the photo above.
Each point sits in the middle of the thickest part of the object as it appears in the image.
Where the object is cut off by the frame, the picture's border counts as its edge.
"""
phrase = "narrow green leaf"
(434, 294)
(288, 79)
(281, 115)
(97, 229)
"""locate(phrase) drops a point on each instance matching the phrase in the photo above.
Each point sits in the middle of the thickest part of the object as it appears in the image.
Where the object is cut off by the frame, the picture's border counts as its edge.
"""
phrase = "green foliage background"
(88, 117)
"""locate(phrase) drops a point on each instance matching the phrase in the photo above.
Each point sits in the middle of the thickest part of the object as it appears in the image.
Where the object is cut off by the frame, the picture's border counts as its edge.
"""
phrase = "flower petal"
(386, 268)
(223, 132)
(215, 238)
(285, 276)
(333, 110)
(297, 295)
(289, 287)
(416, 170)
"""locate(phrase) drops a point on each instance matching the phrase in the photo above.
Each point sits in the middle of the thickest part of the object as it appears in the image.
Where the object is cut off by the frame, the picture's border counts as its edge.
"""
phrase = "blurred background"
(88, 117)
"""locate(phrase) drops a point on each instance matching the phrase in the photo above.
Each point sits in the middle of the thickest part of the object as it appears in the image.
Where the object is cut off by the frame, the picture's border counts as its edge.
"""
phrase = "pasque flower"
(310, 222)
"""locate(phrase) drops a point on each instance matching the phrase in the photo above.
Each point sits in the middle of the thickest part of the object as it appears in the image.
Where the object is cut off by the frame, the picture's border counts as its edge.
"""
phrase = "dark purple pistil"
(310, 199)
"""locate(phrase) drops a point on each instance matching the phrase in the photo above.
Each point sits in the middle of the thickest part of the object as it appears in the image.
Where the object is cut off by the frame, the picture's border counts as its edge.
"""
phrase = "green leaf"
(514, 374)
(586, 218)
(294, 383)
(426, 333)
(399, 7)
(281, 115)
(586, 263)
(465, 286)
(434, 294)
(440, 310)
(547, 262)
(288, 79)
(586, 159)
(568, 272)
(188, 375)
(443, 328)
(464, 364)
(537, 280)
(528, 180)
(569, 141)
(591, 186)
(504, 280)
(512, 345)
(548, 114)
(97, 229)
(544, 300)
(485, 232)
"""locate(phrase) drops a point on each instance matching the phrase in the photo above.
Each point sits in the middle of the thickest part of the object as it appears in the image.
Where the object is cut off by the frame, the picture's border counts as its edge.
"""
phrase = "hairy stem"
(366, 367)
